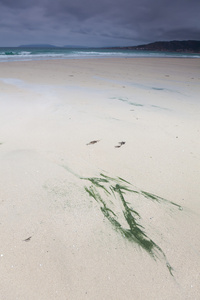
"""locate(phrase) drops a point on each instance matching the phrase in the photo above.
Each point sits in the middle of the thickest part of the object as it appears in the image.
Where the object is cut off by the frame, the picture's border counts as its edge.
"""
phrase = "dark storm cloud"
(81, 10)
(18, 4)
(98, 23)
(183, 33)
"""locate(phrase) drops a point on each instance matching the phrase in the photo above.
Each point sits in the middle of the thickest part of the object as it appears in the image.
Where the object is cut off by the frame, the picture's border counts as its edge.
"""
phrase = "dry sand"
(56, 243)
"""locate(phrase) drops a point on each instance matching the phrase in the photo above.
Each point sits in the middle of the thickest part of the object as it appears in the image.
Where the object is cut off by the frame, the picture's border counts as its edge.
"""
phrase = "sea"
(36, 53)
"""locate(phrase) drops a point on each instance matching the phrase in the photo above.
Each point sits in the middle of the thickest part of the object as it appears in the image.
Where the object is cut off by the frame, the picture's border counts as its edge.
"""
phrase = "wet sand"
(99, 179)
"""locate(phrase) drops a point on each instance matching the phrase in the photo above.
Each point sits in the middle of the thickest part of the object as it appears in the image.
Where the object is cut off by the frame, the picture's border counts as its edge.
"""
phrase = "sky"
(97, 23)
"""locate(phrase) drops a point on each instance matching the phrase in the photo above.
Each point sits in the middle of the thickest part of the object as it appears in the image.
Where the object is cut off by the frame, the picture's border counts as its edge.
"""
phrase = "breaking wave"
(24, 54)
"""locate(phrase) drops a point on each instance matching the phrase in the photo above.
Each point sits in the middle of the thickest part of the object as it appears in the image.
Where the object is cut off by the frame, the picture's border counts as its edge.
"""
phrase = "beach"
(99, 179)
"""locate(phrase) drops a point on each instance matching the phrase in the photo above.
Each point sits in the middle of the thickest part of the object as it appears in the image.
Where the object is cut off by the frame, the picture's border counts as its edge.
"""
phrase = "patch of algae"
(129, 227)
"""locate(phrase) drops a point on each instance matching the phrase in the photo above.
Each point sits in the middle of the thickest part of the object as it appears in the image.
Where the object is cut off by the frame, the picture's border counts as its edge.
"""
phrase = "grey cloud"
(97, 22)
(18, 4)
(183, 34)
(81, 10)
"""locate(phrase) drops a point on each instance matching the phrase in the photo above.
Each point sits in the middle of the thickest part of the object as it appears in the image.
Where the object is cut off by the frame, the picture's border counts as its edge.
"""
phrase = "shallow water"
(27, 54)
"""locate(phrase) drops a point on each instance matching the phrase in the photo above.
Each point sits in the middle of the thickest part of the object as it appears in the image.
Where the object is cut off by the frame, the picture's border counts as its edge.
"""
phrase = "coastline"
(43, 53)
(50, 112)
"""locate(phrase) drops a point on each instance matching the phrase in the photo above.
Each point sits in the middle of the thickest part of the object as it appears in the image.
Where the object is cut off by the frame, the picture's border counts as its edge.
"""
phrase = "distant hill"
(37, 46)
(74, 46)
(49, 46)
(190, 46)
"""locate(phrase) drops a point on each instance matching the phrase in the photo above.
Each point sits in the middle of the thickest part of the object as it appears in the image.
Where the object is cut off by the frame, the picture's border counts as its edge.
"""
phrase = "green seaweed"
(123, 100)
(157, 89)
(96, 182)
(159, 199)
(131, 227)
(159, 107)
(135, 104)
(127, 221)
(127, 101)
(123, 180)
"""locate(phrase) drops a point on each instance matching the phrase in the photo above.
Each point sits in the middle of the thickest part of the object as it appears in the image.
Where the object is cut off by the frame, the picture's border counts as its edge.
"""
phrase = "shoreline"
(69, 127)
(28, 54)
(187, 56)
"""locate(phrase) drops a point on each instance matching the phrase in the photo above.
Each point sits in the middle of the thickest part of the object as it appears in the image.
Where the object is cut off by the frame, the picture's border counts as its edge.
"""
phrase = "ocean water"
(27, 54)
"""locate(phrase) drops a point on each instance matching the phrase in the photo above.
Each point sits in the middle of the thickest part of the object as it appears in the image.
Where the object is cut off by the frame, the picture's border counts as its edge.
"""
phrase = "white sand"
(49, 111)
